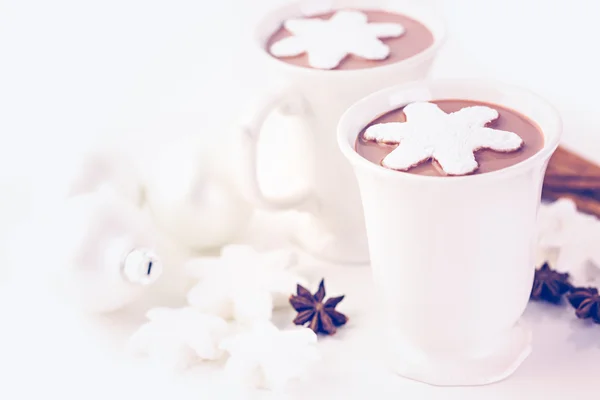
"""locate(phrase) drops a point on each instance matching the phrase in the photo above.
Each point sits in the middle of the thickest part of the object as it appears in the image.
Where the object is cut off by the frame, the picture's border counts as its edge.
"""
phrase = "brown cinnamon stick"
(565, 182)
(572, 176)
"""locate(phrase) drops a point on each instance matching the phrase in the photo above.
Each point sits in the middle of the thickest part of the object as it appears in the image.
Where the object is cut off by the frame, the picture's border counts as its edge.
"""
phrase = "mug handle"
(290, 103)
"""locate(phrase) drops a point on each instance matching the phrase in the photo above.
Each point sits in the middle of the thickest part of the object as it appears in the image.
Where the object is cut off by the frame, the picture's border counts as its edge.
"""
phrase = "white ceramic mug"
(336, 228)
(452, 258)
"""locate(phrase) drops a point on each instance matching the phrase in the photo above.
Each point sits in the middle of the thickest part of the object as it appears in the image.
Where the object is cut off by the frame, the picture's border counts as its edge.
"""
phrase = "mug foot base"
(491, 365)
(314, 238)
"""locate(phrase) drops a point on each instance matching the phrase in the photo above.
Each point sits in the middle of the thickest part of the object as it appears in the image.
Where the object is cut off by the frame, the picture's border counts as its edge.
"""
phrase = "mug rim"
(439, 35)
(346, 137)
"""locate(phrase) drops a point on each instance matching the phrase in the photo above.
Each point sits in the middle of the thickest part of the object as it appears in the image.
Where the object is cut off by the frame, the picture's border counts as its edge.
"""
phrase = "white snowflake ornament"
(328, 42)
(450, 139)
(268, 358)
(243, 284)
(175, 337)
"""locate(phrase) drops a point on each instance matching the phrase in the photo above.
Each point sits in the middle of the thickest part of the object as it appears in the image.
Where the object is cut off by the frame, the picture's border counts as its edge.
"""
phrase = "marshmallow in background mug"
(321, 57)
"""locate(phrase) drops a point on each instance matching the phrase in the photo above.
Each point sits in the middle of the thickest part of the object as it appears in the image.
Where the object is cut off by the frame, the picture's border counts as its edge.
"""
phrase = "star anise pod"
(586, 302)
(549, 285)
(321, 316)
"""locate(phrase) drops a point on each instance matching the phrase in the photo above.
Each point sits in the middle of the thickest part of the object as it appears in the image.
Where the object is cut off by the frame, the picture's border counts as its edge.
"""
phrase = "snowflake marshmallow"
(450, 139)
(174, 337)
(328, 42)
(568, 240)
(553, 223)
(265, 357)
(243, 284)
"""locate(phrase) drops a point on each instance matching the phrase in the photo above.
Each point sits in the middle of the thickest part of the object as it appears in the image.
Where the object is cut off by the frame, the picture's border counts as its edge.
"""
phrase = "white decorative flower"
(266, 357)
(328, 42)
(174, 337)
(450, 139)
(569, 240)
(243, 284)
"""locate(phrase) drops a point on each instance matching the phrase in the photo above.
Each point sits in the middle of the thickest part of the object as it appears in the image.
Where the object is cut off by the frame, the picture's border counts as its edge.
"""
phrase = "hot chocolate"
(439, 242)
(349, 39)
(502, 121)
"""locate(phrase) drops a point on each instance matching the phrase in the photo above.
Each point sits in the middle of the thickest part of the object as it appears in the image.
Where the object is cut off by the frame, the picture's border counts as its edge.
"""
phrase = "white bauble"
(193, 199)
(103, 251)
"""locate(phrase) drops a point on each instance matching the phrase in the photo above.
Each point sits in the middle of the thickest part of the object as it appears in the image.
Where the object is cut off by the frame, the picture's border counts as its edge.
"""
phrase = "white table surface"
(136, 72)
(49, 349)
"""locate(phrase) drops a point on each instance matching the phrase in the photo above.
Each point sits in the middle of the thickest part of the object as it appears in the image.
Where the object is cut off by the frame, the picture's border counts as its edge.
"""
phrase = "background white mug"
(453, 258)
(319, 97)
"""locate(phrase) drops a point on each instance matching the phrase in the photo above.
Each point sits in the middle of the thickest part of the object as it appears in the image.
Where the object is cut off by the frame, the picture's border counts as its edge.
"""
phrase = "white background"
(141, 72)
(76, 70)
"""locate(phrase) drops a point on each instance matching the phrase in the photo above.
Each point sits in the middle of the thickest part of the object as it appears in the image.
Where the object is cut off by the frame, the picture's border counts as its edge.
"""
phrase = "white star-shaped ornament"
(175, 337)
(568, 240)
(243, 284)
(450, 139)
(265, 357)
(328, 42)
